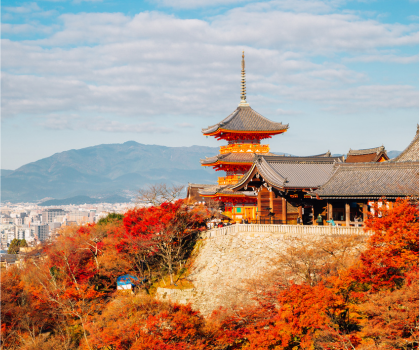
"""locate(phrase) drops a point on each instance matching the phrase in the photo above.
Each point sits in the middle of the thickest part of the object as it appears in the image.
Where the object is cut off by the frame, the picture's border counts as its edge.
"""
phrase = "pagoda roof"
(245, 119)
(224, 191)
(233, 158)
(290, 172)
(366, 155)
(411, 153)
(372, 180)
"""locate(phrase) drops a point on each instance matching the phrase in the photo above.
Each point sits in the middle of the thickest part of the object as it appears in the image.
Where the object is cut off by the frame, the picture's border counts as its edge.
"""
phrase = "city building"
(40, 231)
(48, 215)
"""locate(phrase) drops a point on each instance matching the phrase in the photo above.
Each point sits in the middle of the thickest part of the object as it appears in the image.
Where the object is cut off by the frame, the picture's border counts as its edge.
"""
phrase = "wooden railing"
(244, 148)
(229, 180)
(286, 229)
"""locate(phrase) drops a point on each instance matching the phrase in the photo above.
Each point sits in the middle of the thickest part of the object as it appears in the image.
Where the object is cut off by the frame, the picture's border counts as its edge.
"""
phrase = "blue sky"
(343, 74)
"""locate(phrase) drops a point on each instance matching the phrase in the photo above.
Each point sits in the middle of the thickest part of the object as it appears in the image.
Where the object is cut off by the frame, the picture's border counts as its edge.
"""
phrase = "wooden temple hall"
(262, 187)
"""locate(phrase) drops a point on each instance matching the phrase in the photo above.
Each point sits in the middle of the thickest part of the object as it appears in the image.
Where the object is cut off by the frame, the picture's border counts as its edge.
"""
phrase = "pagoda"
(243, 130)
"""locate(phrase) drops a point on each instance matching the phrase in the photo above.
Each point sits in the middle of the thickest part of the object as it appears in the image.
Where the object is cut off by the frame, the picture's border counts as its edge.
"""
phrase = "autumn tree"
(393, 248)
(166, 232)
(142, 322)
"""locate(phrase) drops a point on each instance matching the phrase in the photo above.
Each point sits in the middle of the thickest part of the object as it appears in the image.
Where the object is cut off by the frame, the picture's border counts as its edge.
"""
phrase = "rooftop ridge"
(376, 150)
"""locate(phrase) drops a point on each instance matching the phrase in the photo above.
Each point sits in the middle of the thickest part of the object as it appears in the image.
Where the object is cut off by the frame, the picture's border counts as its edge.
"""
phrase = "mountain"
(103, 171)
(106, 170)
(5, 172)
(393, 154)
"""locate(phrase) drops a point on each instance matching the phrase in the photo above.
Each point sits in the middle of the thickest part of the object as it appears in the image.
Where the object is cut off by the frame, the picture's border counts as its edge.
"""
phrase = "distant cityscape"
(36, 224)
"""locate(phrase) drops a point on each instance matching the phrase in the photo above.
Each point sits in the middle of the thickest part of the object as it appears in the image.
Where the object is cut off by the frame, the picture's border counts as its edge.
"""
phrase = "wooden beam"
(259, 205)
(347, 214)
(329, 211)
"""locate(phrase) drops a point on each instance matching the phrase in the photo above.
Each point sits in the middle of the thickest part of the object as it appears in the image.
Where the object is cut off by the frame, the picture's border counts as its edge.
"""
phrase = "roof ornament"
(243, 84)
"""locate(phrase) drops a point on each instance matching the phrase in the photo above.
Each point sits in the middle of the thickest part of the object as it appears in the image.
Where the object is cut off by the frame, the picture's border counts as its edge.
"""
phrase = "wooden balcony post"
(284, 210)
(347, 214)
(365, 211)
(271, 204)
(329, 211)
(259, 206)
(313, 216)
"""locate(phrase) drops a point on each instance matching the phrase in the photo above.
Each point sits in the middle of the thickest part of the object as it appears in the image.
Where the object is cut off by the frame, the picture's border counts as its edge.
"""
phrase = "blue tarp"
(126, 279)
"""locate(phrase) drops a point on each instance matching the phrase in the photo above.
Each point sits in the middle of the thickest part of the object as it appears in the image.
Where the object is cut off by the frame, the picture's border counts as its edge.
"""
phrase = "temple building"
(309, 187)
(377, 154)
(354, 187)
(281, 185)
(243, 130)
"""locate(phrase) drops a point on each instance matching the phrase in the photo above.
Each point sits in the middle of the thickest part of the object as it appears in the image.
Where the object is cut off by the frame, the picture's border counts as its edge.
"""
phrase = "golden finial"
(243, 84)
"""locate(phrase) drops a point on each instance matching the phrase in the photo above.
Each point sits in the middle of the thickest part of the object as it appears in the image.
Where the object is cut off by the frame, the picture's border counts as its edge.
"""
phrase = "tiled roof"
(326, 154)
(301, 160)
(231, 158)
(411, 152)
(366, 155)
(224, 190)
(358, 152)
(245, 119)
(200, 185)
(372, 180)
(291, 172)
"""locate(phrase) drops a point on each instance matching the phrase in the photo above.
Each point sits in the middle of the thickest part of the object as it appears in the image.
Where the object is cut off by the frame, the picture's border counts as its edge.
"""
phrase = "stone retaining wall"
(227, 260)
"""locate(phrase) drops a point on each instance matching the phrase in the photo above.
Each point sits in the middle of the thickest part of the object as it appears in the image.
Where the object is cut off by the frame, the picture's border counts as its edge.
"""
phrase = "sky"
(343, 74)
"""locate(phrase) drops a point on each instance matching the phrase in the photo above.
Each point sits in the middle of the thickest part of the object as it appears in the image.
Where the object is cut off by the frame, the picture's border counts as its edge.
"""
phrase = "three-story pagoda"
(243, 130)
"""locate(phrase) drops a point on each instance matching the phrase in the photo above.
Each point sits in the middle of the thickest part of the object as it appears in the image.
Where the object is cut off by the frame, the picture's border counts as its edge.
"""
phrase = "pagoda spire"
(243, 83)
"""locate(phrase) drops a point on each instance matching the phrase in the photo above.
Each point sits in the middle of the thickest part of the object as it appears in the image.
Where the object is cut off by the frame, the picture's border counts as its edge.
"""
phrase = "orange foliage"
(66, 296)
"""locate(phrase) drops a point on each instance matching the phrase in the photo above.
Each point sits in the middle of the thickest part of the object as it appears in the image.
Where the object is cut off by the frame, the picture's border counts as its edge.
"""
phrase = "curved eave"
(220, 130)
(224, 195)
(363, 196)
(226, 163)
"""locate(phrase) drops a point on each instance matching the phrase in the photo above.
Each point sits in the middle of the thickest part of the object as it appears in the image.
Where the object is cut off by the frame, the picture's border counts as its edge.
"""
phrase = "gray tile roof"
(291, 172)
(372, 180)
(411, 153)
(231, 158)
(246, 119)
(358, 152)
(217, 189)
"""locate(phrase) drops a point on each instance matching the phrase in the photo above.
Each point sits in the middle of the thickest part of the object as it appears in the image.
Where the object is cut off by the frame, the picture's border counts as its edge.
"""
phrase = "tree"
(165, 231)
(393, 248)
(15, 245)
(159, 193)
(140, 323)
(111, 217)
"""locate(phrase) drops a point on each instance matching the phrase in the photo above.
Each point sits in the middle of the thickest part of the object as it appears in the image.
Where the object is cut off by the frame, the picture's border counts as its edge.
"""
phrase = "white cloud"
(184, 125)
(155, 64)
(384, 58)
(75, 122)
(190, 4)
(26, 8)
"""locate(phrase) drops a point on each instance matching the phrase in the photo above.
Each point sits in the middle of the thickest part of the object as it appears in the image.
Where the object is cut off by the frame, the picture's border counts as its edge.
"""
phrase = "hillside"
(106, 170)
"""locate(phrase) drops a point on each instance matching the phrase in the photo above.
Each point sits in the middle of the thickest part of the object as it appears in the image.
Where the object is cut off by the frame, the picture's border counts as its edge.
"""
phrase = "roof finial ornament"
(243, 84)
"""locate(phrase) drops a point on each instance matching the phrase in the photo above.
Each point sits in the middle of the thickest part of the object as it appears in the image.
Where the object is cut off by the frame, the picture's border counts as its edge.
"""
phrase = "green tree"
(112, 217)
(15, 245)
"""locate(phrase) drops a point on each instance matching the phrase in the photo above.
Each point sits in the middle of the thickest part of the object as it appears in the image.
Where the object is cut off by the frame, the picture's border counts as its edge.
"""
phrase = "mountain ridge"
(108, 170)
